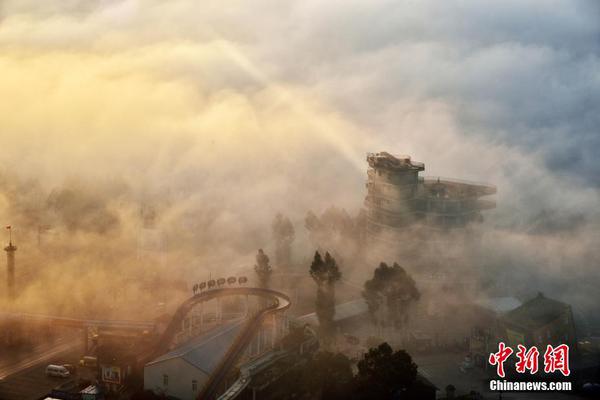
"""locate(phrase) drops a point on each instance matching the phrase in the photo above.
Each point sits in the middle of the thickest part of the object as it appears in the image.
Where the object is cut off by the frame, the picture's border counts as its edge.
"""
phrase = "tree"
(263, 268)
(384, 373)
(336, 230)
(325, 375)
(326, 274)
(284, 235)
(330, 374)
(389, 293)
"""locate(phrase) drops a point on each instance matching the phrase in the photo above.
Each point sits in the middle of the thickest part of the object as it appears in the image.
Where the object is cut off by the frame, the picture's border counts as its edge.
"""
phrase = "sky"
(497, 91)
(232, 110)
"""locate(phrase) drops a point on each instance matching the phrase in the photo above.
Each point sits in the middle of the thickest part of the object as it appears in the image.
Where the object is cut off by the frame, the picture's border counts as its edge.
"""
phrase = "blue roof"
(343, 311)
(206, 351)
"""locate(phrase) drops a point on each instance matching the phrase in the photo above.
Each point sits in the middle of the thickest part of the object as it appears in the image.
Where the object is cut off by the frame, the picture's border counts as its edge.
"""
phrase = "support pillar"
(85, 338)
(10, 270)
(201, 315)
(274, 335)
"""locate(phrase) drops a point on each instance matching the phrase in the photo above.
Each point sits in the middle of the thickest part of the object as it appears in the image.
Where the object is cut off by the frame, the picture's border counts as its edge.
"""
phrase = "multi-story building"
(401, 205)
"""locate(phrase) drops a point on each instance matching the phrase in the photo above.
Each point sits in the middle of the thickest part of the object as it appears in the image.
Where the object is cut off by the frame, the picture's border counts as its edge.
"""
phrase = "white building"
(183, 372)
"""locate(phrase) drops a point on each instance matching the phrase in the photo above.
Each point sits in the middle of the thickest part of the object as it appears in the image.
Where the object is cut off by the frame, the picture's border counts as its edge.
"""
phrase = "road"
(22, 376)
(13, 363)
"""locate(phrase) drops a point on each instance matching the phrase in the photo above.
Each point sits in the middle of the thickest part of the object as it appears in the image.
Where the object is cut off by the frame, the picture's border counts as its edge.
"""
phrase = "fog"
(218, 115)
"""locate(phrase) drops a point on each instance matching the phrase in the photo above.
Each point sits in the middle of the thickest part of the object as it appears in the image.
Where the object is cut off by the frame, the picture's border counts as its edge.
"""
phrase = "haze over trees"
(326, 274)
(284, 235)
(337, 230)
(389, 295)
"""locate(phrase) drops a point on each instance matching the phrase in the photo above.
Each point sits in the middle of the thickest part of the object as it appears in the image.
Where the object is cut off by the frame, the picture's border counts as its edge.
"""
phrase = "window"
(165, 380)
(194, 385)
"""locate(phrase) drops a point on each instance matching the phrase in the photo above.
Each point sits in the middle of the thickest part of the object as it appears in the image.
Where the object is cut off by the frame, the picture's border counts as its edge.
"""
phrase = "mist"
(218, 116)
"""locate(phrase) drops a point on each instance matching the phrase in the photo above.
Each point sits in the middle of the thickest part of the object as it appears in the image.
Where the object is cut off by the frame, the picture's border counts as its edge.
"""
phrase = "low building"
(183, 372)
(540, 321)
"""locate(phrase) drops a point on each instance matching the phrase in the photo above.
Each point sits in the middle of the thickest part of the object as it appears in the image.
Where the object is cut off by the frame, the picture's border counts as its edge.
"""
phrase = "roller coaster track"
(278, 302)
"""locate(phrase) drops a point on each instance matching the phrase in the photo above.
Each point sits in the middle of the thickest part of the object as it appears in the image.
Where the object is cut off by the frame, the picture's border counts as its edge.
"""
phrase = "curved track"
(278, 302)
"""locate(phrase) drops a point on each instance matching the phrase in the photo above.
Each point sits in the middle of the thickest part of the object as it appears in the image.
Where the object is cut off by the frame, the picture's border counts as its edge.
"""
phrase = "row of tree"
(389, 294)
(334, 229)
(382, 373)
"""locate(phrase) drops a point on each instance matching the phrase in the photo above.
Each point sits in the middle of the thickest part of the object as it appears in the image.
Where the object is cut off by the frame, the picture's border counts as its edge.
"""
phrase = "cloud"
(225, 112)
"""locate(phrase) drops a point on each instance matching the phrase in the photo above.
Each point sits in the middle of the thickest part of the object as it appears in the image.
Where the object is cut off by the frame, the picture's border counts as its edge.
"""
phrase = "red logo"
(500, 357)
(555, 359)
(528, 359)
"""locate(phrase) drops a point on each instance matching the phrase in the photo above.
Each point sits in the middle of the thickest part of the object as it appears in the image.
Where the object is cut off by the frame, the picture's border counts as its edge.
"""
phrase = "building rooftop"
(206, 351)
(500, 305)
(386, 160)
(342, 311)
(537, 312)
(458, 187)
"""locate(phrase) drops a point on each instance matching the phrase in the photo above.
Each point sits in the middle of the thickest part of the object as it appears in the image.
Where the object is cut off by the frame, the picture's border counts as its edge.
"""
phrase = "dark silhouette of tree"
(325, 375)
(263, 268)
(326, 274)
(392, 289)
(284, 235)
(331, 373)
(384, 373)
